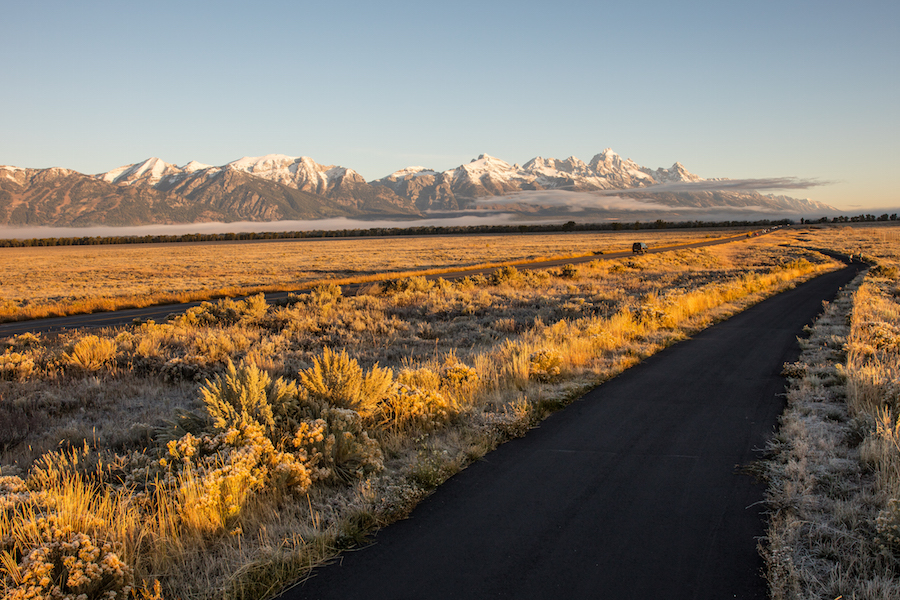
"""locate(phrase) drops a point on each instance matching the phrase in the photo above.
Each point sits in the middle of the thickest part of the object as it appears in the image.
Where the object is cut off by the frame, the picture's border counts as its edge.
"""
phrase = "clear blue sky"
(729, 89)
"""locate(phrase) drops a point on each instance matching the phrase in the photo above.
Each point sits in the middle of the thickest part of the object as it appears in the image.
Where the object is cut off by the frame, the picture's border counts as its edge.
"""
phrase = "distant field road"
(639, 490)
(160, 312)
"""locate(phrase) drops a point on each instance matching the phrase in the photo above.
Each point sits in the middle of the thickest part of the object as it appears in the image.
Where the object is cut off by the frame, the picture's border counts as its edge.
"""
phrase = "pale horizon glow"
(803, 92)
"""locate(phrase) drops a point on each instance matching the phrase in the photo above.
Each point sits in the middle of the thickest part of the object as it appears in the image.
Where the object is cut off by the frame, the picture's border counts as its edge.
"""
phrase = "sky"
(805, 90)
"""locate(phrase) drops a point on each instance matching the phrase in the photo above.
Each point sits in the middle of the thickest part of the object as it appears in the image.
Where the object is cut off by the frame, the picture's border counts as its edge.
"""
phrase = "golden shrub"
(16, 365)
(545, 365)
(337, 446)
(410, 285)
(422, 378)
(246, 395)
(410, 408)
(324, 297)
(339, 381)
(92, 353)
(69, 564)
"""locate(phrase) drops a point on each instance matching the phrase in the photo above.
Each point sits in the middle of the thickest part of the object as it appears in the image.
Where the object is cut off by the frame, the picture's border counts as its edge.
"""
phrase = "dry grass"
(835, 467)
(64, 280)
(243, 442)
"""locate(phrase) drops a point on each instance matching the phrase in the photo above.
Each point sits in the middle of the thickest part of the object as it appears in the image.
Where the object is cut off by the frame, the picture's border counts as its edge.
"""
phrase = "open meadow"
(834, 466)
(222, 453)
(49, 281)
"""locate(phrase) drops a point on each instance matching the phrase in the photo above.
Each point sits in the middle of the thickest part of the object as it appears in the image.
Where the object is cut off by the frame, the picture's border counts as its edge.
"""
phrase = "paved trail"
(635, 491)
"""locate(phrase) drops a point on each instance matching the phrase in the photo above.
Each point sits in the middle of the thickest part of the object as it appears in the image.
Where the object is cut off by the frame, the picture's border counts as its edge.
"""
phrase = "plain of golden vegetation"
(64, 280)
(834, 466)
(227, 450)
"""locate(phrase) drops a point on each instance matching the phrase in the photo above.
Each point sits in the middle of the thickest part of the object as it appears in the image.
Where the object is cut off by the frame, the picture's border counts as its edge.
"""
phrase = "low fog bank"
(336, 224)
(748, 185)
(582, 210)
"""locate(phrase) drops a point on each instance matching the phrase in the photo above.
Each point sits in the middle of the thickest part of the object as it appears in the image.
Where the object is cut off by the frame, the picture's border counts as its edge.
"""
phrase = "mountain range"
(278, 187)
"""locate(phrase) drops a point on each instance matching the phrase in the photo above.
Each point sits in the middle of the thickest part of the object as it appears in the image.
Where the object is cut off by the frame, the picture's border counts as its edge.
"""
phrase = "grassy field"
(834, 466)
(39, 282)
(225, 451)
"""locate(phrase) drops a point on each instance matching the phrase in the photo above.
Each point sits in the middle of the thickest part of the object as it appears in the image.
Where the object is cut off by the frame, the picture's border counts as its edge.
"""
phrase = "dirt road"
(639, 490)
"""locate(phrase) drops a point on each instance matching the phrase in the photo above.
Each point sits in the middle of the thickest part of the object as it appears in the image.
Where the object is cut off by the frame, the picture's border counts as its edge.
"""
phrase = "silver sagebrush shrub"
(338, 447)
(324, 297)
(545, 365)
(410, 408)
(225, 312)
(67, 564)
(246, 395)
(16, 366)
(339, 381)
(91, 353)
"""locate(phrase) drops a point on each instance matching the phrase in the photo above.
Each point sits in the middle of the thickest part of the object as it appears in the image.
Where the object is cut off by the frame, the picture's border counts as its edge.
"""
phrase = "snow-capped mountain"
(151, 172)
(490, 176)
(280, 187)
(302, 173)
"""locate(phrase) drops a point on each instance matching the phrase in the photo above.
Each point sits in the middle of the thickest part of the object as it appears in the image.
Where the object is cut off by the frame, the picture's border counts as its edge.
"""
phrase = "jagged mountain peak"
(410, 172)
(280, 167)
(608, 157)
(195, 166)
(569, 165)
(677, 172)
(262, 164)
(487, 162)
(151, 171)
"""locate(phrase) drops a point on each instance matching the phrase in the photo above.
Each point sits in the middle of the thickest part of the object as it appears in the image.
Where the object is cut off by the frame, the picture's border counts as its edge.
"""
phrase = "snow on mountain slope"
(618, 172)
(15, 174)
(195, 166)
(419, 188)
(485, 175)
(412, 172)
(490, 176)
(150, 172)
(303, 173)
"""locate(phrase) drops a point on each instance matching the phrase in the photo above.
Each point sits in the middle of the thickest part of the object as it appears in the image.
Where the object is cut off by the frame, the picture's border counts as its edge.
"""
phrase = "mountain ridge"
(281, 187)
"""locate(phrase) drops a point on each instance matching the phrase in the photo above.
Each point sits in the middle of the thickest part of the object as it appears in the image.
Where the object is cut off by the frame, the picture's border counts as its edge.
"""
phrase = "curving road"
(160, 312)
(638, 490)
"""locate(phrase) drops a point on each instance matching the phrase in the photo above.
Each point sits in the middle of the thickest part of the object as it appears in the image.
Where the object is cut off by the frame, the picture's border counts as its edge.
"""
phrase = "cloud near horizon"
(714, 185)
(574, 201)
(622, 200)
(333, 224)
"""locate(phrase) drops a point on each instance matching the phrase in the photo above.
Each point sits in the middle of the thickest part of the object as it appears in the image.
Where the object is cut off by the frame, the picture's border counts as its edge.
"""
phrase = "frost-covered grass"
(834, 469)
(236, 445)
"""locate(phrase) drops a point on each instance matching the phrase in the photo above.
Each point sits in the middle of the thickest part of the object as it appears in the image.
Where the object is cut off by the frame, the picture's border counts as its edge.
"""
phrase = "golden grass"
(254, 482)
(834, 470)
(66, 280)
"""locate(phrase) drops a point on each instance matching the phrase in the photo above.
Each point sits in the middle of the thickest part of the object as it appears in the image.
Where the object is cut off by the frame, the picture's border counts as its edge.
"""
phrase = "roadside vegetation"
(222, 453)
(64, 280)
(834, 465)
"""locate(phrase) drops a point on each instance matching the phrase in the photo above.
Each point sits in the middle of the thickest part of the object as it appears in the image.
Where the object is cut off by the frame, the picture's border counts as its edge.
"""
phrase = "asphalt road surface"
(161, 312)
(639, 490)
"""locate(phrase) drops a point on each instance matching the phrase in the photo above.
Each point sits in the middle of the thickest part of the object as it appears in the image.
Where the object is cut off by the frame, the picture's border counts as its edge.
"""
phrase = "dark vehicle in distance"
(639, 247)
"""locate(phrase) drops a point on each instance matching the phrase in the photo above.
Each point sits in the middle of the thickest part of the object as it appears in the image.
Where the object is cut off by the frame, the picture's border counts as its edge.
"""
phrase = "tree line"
(857, 219)
(404, 231)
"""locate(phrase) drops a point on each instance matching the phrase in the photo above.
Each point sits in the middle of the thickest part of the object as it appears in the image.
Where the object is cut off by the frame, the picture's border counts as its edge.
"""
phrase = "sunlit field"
(222, 453)
(39, 282)
(834, 466)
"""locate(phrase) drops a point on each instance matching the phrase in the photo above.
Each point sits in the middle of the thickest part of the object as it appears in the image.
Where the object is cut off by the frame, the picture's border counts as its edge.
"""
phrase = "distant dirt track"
(160, 312)
(640, 489)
